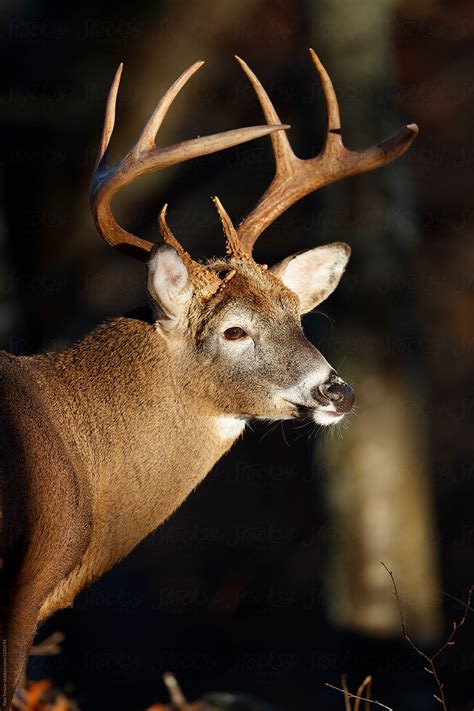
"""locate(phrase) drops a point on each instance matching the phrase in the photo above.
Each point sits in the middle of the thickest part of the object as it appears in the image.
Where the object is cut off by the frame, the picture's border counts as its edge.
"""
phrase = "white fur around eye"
(237, 320)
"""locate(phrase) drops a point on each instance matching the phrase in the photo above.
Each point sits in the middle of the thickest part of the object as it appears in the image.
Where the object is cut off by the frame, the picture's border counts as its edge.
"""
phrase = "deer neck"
(140, 442)
(148, 426)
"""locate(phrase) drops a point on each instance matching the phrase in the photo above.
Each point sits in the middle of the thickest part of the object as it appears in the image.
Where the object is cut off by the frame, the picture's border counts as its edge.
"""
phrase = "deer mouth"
(320, 415)
(327, 417)
(325, 403)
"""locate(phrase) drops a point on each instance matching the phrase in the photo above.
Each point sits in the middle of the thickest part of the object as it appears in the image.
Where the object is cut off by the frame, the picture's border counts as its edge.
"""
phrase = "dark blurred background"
(268, 579)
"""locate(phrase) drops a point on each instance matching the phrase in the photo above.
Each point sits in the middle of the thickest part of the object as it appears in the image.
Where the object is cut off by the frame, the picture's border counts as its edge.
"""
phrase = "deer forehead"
(252, 290)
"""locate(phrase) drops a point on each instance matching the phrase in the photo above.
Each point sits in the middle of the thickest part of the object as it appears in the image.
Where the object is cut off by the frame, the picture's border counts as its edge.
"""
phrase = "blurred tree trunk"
(379, 498)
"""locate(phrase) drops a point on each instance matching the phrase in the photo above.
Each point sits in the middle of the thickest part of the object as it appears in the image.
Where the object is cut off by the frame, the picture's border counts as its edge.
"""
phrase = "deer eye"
(234, 333)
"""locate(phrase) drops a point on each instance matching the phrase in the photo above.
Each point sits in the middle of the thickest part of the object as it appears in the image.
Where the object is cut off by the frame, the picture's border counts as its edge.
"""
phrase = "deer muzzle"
(337, 393)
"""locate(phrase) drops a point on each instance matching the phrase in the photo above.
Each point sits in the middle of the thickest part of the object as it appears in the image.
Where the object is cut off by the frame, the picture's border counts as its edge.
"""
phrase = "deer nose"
(339, 393)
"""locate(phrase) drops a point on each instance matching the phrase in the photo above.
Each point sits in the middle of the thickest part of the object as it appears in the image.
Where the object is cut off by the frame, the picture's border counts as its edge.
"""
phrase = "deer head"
(235, 325)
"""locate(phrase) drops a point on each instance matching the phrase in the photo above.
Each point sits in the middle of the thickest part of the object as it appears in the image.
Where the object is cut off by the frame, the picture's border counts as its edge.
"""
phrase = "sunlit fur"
(103, 441)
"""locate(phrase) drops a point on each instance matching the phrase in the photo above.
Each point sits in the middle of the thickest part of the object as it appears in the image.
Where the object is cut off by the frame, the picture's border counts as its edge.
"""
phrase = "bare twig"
(430, 660)
(470, 608)
(347, 698)
(366, 684)
(49, 645)
(177, 698)
(360, 698)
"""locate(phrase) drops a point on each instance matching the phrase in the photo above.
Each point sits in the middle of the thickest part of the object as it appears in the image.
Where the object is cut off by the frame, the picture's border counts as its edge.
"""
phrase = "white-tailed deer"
(100, 443)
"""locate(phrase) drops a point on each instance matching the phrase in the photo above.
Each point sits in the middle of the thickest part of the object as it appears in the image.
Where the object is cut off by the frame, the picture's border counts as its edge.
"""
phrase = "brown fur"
(103, 441)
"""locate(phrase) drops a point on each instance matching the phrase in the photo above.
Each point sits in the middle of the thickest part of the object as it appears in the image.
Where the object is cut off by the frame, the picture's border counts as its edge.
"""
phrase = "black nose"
(339, 393)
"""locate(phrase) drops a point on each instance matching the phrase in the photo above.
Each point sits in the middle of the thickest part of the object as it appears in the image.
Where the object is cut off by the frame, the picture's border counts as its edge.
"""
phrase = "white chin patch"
(229, 427)
(327, 418)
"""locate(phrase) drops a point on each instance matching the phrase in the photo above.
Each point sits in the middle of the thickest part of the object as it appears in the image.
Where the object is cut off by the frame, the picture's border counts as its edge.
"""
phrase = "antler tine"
(168, 236)
(359, 161)
(283, 152)
(145, 157)
(295, 178)
(205, 281)
(109, 120)
(332, 105)
(147, 139)
(233, 247)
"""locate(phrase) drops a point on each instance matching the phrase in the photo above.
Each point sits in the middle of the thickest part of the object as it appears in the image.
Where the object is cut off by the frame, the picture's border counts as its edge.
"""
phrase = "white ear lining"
(168, 282)
(313, 275)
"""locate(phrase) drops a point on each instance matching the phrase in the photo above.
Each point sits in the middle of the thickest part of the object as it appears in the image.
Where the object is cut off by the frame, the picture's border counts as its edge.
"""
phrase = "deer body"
(128, 485)
(102, 442)
(135, 477)
(123, 425)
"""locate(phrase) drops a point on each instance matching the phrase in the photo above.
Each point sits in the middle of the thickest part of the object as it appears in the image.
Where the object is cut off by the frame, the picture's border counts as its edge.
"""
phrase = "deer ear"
(168, 283)
(313, 274)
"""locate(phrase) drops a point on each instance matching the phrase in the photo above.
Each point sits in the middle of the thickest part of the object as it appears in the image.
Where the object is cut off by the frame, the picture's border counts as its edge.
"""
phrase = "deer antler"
(294, 177)
(146, 157)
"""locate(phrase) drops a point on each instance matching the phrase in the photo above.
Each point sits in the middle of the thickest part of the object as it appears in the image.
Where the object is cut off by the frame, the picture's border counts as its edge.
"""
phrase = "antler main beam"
(294, 177)
(145, 157)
